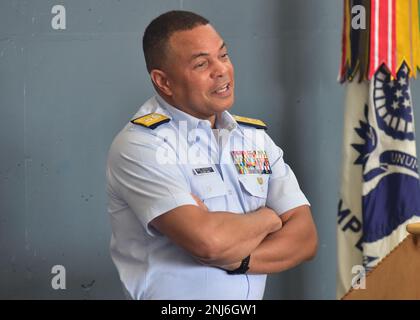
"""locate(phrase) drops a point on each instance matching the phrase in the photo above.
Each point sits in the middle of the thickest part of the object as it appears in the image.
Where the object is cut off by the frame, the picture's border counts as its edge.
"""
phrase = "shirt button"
(230, 192)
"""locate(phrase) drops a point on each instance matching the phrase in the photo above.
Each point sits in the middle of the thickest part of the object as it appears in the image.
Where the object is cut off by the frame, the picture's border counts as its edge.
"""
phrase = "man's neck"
(212, 118)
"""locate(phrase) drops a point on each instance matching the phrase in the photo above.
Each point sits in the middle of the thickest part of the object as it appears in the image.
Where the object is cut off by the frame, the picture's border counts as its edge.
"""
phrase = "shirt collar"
(178, 115)
(225, 121)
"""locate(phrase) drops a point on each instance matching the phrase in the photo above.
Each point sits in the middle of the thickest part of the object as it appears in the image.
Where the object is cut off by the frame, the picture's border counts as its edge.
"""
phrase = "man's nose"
(219, 69)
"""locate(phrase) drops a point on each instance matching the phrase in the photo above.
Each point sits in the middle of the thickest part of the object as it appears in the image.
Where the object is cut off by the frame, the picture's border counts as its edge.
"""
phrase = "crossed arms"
(223, 239)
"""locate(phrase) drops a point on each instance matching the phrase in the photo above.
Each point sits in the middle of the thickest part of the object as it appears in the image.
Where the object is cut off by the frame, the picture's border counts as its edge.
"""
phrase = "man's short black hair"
(158, 32)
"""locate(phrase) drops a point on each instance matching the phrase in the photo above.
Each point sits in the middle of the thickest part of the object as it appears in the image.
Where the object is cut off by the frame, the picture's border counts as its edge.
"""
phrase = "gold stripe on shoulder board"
(151, 120)
(256, 123)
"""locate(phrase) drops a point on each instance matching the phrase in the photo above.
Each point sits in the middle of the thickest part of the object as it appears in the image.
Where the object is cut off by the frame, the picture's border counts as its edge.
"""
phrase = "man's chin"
(221, 106)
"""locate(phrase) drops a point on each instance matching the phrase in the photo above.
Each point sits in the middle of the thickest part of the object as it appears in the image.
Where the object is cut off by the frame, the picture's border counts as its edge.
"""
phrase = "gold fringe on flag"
(408, 35)
(391, 38)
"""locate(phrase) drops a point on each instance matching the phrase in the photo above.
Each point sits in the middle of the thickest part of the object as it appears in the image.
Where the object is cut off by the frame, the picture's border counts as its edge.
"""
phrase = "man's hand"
(200, 203)
(263, 210)
(279, 223)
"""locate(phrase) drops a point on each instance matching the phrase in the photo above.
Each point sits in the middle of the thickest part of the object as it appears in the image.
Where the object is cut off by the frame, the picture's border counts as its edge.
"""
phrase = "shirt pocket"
(211, 189)
(255, 189)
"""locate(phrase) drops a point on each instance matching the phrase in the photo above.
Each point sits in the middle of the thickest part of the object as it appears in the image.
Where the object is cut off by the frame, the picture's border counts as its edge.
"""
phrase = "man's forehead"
(198, 39)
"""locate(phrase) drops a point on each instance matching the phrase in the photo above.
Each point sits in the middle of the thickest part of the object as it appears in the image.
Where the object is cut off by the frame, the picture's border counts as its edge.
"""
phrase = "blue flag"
(380, 191)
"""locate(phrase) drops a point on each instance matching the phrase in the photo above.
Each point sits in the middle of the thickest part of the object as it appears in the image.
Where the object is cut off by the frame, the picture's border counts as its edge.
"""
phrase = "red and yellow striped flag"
(391, 38)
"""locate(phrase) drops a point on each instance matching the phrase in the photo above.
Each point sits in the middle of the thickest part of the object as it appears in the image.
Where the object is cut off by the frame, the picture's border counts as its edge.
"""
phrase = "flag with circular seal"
(380, 186)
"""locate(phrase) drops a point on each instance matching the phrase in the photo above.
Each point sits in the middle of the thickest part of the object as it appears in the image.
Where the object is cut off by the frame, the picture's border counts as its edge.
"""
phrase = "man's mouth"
(223, 90)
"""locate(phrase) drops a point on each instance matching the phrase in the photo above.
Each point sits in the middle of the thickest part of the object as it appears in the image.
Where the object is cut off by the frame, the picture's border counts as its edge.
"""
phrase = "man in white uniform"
(202, 204)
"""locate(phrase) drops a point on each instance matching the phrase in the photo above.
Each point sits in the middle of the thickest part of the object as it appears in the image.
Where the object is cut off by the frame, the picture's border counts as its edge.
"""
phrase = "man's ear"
(161, 81)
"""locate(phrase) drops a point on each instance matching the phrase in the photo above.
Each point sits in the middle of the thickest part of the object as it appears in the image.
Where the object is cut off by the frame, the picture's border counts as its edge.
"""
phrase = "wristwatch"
(243, 268)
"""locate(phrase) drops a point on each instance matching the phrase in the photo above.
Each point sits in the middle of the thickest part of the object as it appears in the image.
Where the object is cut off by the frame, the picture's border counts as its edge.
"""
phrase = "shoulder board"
(151, 120)
(250, 122)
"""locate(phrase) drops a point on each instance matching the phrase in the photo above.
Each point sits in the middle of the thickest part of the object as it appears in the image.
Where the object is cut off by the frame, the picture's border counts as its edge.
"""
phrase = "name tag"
(201, 171)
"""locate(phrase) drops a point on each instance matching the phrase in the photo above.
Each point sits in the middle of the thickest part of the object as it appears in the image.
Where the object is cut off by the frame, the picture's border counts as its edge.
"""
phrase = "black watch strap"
(243, 268)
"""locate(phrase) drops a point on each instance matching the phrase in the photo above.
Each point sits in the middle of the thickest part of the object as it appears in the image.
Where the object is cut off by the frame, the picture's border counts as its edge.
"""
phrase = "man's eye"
(225, 55)
(200, 65)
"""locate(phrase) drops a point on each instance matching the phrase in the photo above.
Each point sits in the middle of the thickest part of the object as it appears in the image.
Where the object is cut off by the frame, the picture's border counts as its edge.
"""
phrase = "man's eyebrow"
(201, 54)
(197, 55)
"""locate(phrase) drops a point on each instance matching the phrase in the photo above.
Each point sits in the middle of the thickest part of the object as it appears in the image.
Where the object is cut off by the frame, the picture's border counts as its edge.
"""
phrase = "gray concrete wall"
(64, 94)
